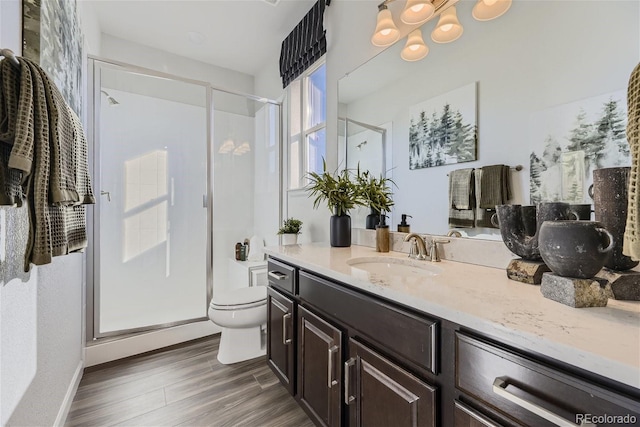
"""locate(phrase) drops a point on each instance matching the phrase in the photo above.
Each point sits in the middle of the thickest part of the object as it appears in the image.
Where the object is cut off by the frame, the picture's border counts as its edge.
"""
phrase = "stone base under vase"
(525, 271)
(625, 285)
(578, 293)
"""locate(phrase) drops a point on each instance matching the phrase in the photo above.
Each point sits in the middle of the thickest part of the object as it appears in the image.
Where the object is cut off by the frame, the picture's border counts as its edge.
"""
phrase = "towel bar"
(516, 168)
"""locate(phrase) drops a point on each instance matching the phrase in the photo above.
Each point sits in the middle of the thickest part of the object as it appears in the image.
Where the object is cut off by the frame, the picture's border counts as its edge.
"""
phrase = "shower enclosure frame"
(91, 297)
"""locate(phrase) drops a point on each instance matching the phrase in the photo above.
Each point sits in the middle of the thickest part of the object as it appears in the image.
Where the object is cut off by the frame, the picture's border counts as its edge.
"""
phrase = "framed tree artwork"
(443, 130)
(570, 141)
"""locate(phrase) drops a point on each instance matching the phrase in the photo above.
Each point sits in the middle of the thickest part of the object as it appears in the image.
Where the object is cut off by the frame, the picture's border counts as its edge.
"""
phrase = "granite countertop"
(603, 340)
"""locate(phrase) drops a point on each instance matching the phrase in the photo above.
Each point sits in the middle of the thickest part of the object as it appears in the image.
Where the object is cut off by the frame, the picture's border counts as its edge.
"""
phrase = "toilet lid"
(243, 296)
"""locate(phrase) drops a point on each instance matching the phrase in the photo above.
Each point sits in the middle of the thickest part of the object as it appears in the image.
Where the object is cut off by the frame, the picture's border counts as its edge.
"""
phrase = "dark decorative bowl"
(574, 248)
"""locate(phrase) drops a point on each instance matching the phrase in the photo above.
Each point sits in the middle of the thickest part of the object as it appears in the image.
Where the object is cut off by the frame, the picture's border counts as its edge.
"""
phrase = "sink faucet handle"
(435, 255)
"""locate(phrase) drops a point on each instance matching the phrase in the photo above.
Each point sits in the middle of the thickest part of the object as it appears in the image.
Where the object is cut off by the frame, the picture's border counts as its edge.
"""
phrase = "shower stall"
(183, 171)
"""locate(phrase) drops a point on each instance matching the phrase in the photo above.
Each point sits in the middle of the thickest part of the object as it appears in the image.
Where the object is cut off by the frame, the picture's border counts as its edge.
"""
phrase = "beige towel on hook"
(631, 244)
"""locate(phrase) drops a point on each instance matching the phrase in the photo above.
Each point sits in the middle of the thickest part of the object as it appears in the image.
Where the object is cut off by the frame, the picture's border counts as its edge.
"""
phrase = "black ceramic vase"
(340, 231)
(520, 225)
(610, 192)
(372, 220)
(574, 248)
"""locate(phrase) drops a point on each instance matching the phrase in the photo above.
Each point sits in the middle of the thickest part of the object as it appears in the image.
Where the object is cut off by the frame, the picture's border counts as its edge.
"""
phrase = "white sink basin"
(398, 267)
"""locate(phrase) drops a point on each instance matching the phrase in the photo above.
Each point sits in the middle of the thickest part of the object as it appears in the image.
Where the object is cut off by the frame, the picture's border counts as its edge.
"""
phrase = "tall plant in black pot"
(376, 194)
(341, 195)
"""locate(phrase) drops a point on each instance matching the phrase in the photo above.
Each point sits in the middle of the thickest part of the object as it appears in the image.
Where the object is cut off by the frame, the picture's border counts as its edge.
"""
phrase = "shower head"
(111, 99)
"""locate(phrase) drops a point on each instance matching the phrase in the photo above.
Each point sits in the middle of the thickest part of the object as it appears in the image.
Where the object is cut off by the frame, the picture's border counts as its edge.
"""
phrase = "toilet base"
(238, 345)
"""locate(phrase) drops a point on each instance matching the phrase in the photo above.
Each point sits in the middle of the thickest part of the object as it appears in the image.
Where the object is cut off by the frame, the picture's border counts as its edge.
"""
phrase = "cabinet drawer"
(464, 416)
(282, 276)
(399, 332)
(532, 393)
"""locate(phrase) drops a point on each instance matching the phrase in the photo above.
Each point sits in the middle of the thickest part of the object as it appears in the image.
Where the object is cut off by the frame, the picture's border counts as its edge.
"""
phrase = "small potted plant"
(376, 194)
(290, 230)
(341, 195)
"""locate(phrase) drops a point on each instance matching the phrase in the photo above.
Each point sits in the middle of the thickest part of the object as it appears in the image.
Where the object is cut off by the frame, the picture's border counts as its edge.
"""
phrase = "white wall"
(41, 315)
(143, 56)
(539, 54)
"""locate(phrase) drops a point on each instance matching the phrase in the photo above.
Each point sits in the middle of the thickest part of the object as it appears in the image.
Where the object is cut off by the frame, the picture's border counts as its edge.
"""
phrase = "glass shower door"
(152, 219)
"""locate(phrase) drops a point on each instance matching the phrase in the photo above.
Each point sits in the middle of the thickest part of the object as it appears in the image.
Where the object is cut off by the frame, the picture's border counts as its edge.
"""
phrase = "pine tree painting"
(443, 130)
(574, 140)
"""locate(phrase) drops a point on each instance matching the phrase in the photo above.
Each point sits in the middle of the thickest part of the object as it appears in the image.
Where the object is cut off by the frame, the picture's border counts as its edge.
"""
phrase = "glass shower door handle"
(106, 193)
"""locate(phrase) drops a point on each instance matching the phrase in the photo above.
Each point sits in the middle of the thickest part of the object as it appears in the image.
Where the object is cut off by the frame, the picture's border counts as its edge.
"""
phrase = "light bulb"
(446, 27)
(417, 8)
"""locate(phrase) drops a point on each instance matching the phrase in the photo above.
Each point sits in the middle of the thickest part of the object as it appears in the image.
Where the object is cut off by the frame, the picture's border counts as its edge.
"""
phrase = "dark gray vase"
(610, 192)
(574, 248)
(520, 232)
(340, 231)
(372, 220)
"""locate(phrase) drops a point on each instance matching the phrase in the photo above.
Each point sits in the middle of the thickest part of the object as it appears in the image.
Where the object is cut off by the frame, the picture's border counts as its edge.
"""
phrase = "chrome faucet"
(421, 252)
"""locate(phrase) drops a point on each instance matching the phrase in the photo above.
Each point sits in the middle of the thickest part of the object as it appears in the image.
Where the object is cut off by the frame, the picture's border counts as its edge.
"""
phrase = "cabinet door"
(380, 393)
(464, 416)
(319, 368)
(280, 335)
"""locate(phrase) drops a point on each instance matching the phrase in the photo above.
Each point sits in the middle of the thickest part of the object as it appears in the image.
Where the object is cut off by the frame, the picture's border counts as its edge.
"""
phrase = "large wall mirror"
(525, 68)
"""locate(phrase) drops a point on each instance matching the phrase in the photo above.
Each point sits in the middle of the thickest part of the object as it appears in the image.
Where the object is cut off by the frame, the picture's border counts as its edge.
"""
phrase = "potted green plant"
(290, 230)
(376, 194)
(341, 195)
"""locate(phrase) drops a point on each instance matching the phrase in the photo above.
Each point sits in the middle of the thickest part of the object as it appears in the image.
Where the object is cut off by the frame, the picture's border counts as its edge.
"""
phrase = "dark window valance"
(304, 45)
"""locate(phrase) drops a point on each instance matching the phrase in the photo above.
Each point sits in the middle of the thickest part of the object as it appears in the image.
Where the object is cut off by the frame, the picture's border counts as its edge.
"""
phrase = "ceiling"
(241, 35)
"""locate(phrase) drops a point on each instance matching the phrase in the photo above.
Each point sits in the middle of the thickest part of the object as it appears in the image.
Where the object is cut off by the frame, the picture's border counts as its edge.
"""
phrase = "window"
(307, 124)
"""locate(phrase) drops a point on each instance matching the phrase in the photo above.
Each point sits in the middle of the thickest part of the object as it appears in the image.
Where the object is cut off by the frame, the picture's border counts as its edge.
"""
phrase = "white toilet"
(241, 313)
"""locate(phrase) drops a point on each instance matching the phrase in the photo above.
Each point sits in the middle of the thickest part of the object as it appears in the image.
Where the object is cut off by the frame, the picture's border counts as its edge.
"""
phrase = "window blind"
(304, 45)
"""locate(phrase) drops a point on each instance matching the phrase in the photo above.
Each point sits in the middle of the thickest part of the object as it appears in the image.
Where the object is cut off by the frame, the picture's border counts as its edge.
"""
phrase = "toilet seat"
(240, 299)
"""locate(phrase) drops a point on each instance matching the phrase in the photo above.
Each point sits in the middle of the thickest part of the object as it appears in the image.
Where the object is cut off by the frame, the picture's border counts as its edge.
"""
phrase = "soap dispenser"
(403, 227)
(382, 235)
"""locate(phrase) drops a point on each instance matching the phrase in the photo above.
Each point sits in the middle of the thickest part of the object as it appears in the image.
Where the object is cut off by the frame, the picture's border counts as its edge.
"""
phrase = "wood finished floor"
(184, 386)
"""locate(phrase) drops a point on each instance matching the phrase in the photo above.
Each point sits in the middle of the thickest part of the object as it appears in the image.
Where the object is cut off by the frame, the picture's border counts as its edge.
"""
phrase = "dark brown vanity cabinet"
(319, 368)
(378, 392)
(281, 338)
(531, 393)
(465, 416)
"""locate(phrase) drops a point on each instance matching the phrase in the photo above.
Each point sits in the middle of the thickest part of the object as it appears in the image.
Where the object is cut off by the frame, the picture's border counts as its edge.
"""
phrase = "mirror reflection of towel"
(461, 198)
(492, 188)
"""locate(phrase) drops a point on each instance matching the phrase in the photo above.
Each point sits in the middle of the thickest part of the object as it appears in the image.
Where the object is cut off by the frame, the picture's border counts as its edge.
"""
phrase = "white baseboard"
(130, 346)
(68, 398)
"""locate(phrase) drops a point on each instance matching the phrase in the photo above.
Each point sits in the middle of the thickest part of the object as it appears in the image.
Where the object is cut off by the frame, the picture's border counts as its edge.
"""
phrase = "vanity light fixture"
(417, 11)
(386, 31)
(448, 28)
(486, 10)
(415, 49)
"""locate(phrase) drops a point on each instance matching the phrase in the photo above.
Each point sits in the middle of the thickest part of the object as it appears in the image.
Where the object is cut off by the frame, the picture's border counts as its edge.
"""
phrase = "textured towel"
(49, 148)
(461, 198)
(631, 244)
(461, 189)
(483, 215)
(494, 186)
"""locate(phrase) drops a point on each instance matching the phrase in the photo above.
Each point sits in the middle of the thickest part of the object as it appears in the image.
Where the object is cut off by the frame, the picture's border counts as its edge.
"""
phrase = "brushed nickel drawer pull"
(276, 275)
(499, 387)
(285, 320)
(330, 381)
(348, 399)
